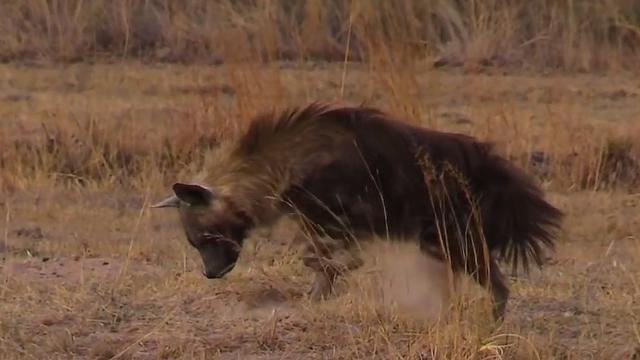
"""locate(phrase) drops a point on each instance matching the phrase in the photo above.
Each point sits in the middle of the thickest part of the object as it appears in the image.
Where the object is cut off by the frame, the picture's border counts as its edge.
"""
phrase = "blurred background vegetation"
(565, 34)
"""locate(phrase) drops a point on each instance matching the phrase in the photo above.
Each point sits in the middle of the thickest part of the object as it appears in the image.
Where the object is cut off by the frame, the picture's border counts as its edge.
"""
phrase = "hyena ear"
(193, 194)
(171, 201)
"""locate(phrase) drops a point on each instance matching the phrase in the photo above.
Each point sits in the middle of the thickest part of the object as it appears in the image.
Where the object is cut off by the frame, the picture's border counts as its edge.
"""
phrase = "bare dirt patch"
(65, 270)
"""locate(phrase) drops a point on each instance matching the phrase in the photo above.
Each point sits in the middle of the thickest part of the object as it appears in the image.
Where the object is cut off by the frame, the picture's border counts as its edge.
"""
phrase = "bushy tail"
(518, 221)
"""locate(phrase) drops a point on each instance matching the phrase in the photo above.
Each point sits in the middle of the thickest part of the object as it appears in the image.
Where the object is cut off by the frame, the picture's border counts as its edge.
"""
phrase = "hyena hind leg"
(328, 258)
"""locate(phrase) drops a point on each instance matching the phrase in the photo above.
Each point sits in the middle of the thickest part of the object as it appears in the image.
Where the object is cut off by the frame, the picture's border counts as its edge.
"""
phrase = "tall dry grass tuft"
(119, 151)
(576, 35)
(86, 148)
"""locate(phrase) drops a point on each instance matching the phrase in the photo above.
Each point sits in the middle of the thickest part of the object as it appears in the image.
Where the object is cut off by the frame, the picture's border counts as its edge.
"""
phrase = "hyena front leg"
(329, 258)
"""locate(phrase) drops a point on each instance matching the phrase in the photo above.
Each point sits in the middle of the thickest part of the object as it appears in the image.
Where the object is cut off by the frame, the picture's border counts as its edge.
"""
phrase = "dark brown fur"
(352, 172)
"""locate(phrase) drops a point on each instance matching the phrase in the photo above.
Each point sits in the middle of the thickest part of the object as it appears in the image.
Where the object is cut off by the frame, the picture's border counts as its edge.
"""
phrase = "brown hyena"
(349, 173)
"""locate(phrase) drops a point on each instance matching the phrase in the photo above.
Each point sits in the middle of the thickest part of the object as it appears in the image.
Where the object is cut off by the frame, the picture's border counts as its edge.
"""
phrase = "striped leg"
(329, 258)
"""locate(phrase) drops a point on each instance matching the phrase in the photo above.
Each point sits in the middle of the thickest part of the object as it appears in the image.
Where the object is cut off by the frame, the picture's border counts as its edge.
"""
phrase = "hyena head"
(212, 224)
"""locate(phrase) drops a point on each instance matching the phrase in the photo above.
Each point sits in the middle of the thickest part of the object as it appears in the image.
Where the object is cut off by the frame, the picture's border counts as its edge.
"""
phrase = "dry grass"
(577, 35)
(88, 271)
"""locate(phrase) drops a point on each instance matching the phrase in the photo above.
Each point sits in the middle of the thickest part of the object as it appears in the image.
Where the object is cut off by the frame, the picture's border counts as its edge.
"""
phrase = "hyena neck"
(253, 187)
(276, 152)
(256, 178)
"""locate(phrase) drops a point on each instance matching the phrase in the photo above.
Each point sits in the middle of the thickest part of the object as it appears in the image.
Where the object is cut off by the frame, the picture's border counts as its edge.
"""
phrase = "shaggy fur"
(349, 173)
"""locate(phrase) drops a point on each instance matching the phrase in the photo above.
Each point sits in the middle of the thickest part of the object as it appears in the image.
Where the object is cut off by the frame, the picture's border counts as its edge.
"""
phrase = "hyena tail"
(518, 222)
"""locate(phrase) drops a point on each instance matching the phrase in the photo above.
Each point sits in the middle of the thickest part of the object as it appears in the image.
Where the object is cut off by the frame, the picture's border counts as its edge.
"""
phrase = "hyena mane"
(351, 173)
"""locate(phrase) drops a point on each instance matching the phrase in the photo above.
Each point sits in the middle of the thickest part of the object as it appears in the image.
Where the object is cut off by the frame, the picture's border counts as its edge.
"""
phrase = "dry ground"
(90, 272)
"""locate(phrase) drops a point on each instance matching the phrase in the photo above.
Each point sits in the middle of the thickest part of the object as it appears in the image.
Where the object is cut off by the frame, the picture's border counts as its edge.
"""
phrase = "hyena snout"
(215, 274)
(218, 260)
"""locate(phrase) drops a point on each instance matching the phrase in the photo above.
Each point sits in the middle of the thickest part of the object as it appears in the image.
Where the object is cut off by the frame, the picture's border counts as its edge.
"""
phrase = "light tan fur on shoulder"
(276, 151)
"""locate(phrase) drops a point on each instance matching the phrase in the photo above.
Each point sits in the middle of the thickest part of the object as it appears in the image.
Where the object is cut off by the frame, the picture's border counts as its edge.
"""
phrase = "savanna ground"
(88, 143)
